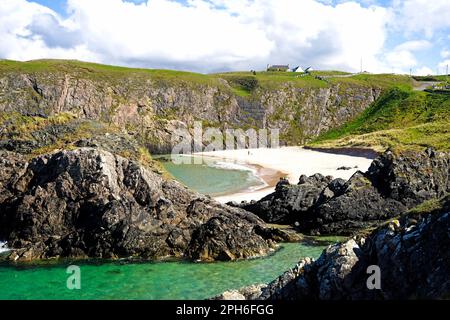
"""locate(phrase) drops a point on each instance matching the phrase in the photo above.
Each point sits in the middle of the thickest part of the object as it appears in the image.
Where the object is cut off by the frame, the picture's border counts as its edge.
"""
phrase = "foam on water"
(213, 176)
(3, 247)
(231, 166)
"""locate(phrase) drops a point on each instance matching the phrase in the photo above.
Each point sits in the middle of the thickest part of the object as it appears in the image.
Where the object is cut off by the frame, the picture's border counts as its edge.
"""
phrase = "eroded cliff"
(153, 103)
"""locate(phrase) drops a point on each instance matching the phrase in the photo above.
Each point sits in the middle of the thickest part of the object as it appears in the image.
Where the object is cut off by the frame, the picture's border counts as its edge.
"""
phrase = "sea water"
(104, 279)
(214, 177)
(150, 280)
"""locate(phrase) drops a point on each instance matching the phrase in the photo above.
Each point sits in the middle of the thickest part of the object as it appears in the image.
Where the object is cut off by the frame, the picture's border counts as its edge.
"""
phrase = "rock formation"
(412, 254)
(392, 184)
(154, 106)
(89, 202)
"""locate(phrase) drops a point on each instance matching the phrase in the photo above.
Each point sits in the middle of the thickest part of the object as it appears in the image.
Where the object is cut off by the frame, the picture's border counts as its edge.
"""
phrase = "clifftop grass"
(96, 71)
(400, 119)
(265, 80)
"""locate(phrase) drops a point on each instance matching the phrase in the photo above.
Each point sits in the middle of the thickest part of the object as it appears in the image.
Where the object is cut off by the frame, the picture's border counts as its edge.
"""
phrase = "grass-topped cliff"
(400, 119)
(264, 79)
(151, 104)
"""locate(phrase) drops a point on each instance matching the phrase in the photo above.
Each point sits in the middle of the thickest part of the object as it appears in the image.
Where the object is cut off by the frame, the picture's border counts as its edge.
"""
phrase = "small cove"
(149, 280)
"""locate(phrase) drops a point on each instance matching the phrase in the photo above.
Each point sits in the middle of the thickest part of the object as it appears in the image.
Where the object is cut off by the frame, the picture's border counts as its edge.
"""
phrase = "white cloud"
(402, 57)
(20, 43)
(202, 36)
(444, 64)
(445, 53)
(426, 16)
(210, 35)
(414, 45)
(400, 60)
(423, 71)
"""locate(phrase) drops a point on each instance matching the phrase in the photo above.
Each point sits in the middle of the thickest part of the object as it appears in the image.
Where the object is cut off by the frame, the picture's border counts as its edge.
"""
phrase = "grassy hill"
(400, 119)
(238, 80)
(148, 102)
(317, 79)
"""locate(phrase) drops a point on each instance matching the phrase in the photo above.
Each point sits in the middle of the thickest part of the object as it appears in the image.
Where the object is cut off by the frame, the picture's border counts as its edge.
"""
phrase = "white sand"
(293, 161)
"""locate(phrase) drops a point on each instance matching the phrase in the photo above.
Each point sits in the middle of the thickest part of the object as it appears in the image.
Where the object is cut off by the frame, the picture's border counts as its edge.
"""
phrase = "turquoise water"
(214, 178)
(157, 280)
(160, 280)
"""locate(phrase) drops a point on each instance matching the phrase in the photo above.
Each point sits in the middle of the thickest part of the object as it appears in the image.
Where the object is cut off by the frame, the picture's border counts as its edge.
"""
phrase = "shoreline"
(290, 162)
(349, 151)
(270, 178)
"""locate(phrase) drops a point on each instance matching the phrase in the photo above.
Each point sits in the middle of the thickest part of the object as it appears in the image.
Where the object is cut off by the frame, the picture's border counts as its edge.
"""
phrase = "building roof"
(279, 66)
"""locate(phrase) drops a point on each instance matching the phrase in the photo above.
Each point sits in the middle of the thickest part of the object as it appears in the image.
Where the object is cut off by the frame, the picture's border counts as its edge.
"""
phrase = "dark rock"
(413, 261)
(344, 168)
(89, 202)
(392, 185)
(289, 202)
(247, 293)
(411, 252)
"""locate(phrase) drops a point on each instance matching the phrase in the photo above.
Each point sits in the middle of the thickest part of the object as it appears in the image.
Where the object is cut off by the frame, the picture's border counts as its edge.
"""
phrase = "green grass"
(273, 80)
(22, 126)
(429, 206)
(382, 81)
(103, 72)
(239, 81)
(328, 72)
(431, 78)
(400, 119)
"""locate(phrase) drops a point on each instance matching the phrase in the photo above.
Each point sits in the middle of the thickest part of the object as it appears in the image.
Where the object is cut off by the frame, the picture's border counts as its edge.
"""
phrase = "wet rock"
(247, 293)
(411, 254)
(90, 202)
(287, 204)
(413, 263)
(393, 184)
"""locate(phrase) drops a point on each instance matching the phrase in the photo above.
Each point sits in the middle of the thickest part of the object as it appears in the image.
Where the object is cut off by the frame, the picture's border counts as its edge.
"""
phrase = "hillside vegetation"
(399, 119)
(261, 79)
(151, 104)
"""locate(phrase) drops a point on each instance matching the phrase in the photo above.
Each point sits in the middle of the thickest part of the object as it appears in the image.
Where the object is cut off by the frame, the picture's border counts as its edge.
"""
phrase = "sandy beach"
(290, 162)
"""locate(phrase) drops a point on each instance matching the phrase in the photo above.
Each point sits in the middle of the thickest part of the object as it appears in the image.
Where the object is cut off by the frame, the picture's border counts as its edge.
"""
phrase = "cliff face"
(153, 106)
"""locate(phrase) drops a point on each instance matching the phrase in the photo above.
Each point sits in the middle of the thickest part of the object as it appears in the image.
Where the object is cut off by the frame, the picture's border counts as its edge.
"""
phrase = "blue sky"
(220, 35)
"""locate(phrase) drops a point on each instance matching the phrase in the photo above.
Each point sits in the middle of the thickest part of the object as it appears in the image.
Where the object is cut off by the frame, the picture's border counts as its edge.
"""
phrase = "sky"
(225, 35)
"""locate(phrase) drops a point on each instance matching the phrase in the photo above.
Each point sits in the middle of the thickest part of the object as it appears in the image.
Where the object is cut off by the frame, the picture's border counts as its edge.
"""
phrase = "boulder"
(412, 257)
(289, 202)
(89, 202)
(411, 254)
(393, 184)
(247, 293)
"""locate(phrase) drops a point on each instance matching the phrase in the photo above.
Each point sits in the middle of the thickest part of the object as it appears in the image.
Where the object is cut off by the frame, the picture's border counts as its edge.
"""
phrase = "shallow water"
(157, 280)
(160, 280)
(214, 177)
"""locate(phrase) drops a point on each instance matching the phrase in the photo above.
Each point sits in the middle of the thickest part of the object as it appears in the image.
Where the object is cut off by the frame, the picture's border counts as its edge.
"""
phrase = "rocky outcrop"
(412, 258)
(392, 185)
(89, 202)
(252, 292)
(155, 106)
(289, 202)
(411, 254)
